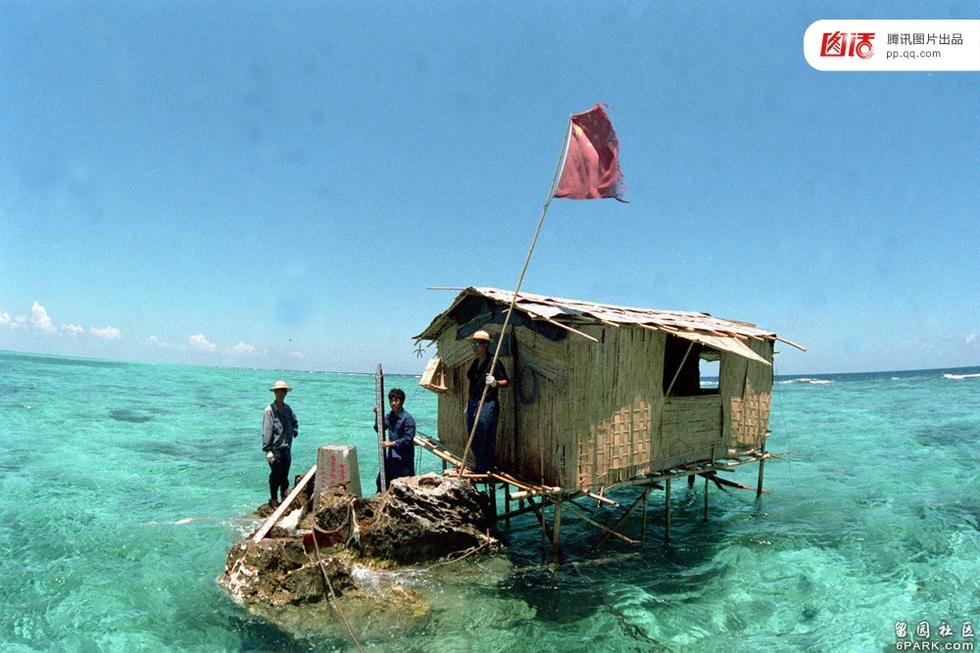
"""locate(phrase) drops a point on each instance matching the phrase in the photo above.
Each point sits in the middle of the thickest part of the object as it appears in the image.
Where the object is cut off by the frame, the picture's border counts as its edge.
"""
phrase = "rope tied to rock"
(336, 536)
(462, 555)
(333, 597)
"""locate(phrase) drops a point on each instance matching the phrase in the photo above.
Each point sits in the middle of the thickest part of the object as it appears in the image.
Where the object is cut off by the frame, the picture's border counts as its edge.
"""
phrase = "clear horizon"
(778, 374)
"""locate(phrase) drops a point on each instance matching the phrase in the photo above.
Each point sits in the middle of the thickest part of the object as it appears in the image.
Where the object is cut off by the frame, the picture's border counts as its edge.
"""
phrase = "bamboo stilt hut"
(604, 396)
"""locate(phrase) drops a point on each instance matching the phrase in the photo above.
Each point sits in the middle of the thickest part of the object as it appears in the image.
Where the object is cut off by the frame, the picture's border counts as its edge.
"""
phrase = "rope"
(333, 535)
(333, 597)
(462, 555)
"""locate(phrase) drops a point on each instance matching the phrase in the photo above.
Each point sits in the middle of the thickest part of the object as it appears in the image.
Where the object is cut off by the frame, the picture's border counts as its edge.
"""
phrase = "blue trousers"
(485, 439)
(395, 467)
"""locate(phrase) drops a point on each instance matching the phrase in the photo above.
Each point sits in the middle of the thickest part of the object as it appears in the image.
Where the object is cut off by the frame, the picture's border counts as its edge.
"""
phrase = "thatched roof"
(571, 314)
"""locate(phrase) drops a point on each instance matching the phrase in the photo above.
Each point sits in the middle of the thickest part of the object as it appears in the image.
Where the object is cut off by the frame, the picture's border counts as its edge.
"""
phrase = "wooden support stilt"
(706, 479)
(643, 526)
(606, 530)
(539, 513)
(557, 530)
(613, 529)
(492, 491)
(762, 463)
(517, 490)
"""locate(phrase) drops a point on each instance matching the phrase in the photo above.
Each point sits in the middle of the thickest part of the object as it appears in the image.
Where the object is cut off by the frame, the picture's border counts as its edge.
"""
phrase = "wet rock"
(418, 519)
(424, 518)
(278, 571)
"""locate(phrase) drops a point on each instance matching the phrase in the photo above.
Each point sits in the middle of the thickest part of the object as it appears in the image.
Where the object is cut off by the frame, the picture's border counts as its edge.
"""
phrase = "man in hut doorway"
(279, 427)
(400, 444)
(480, 376)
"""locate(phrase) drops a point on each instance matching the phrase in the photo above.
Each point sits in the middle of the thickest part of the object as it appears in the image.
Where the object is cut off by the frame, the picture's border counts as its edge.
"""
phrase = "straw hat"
(480, 336)
(280, 385)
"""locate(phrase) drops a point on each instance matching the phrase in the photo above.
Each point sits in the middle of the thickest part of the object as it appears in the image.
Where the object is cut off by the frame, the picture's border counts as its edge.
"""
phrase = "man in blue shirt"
(399, 445)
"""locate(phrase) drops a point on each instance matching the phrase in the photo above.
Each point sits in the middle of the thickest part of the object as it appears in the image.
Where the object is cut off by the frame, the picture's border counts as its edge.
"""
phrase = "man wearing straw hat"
(279, 427)
(485, 437)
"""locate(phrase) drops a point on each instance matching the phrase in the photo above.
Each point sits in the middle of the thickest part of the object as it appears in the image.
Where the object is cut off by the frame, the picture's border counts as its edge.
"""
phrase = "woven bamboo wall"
(692, 431)
(747, 388)
(543, 439)
(621, 403)
(584, 415)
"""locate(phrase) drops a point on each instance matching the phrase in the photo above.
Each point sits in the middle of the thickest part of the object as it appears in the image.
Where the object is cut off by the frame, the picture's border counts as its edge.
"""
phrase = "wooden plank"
(281, 510)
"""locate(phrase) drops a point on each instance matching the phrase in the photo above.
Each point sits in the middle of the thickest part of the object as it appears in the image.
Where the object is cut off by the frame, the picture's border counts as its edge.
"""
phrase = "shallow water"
(125, 485)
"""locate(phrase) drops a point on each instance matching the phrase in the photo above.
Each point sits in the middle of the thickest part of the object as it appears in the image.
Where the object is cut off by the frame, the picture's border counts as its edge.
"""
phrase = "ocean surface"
(124, 485)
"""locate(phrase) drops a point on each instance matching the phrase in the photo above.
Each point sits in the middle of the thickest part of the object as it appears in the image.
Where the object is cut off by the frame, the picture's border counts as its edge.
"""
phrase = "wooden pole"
(557, 529)
(667, 511)
(379, 421)
(762, 462)
(706, 479)
(646, 499)
(517, 290)
(605, 529)
(539, 513)
(679, 368)
(492, 492)
(612, 530)
(601, 499)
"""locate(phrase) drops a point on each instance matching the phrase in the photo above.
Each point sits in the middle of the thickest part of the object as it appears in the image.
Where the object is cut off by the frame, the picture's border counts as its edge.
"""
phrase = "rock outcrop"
(425, 518)
(419, 519)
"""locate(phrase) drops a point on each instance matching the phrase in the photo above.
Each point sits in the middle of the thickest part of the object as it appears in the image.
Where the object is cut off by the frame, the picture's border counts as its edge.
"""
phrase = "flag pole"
(520, 280)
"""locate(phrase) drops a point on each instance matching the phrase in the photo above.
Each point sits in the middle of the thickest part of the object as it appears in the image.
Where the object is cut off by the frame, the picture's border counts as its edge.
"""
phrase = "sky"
(294, 185)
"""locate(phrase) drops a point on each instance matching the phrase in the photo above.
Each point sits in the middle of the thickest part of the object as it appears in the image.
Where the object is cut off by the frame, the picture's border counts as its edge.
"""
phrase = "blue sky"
(277, 185)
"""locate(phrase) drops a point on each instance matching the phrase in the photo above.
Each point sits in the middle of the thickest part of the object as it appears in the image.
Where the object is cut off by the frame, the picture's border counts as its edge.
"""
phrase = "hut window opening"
(690, 368)
(710, 374)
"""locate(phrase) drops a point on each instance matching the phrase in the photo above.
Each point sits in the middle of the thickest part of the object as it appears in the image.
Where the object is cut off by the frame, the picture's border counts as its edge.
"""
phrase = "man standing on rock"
(400, 445)
(279, 427)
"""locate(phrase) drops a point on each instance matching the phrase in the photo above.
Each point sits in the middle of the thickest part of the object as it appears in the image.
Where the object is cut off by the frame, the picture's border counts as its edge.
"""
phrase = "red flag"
(591, 167)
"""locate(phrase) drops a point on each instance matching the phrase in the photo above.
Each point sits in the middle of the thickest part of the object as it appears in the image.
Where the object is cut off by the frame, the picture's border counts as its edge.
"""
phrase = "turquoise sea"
(124, 485)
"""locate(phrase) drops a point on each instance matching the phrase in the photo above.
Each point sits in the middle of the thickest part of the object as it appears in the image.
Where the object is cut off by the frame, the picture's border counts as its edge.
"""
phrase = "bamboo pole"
(612, 529)
(568, 328)
(607, 530)
(542, 492)
(601, 499)
(791, 344)
(679, 368)
(538, 512)
(517, 290)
